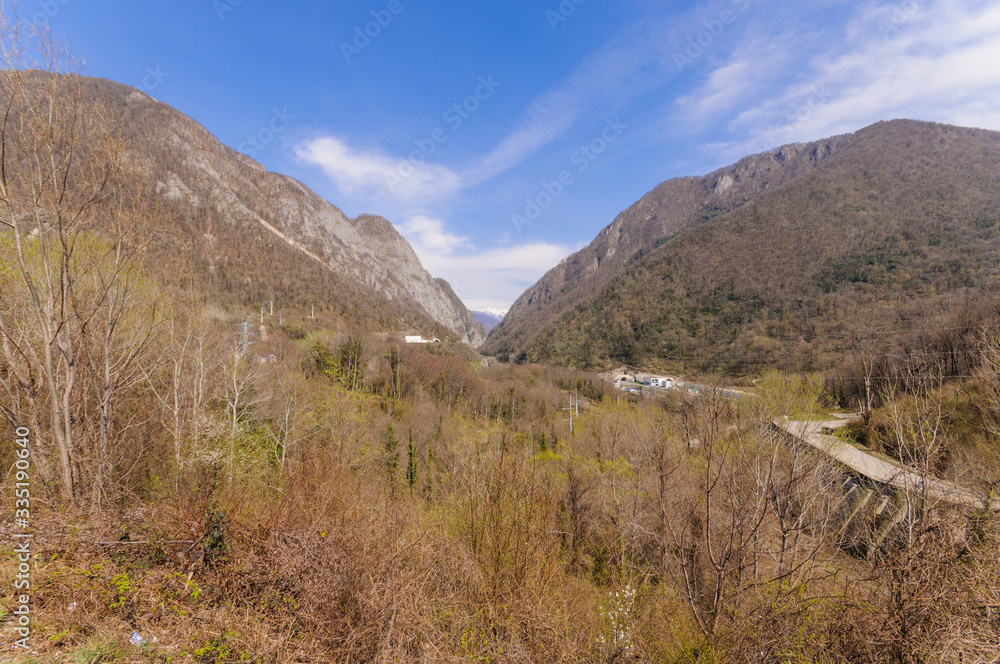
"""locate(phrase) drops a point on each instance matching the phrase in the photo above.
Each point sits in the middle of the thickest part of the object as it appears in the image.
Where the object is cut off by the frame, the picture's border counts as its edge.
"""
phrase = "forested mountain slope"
(778, 258)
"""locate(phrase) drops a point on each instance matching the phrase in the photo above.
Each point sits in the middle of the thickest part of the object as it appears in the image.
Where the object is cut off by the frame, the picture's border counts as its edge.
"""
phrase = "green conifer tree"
(391, 453)
(411, 464)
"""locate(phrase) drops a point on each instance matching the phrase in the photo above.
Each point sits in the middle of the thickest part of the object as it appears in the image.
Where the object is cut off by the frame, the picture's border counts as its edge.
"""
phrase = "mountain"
(475, 331)
(490, 318)
(244, 235)
(779, 258)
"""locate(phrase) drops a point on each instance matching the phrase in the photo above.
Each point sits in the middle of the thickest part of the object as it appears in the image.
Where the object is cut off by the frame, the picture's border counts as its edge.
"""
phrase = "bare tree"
(739, 513)
(869, 333)
(80, 329)
(118, 336)
(285, 407)
(63, 179)
(396, 362)
(181, 385)
(242, 374)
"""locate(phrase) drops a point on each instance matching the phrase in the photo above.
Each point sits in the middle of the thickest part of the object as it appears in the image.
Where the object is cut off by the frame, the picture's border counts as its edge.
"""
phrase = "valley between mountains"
(756, 419)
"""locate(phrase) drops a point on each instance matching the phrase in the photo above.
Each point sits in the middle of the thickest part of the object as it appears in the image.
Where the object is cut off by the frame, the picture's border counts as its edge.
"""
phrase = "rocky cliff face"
(475, 330)
(194, 171)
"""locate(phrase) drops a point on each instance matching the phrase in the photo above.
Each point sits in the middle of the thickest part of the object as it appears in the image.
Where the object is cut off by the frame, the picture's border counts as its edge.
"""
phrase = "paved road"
(878, 469)
(860, 461)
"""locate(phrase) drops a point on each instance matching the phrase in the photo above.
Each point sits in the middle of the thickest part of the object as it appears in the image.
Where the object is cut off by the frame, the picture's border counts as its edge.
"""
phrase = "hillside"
(778, 258)
(242, 235)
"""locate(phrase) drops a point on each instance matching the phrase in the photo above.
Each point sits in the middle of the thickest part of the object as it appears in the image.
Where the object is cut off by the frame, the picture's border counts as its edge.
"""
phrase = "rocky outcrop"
(474, 329)
(193, 169)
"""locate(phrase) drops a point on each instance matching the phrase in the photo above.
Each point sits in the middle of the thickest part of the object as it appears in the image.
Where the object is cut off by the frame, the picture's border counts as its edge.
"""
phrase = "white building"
(417, 339)
(663, 382)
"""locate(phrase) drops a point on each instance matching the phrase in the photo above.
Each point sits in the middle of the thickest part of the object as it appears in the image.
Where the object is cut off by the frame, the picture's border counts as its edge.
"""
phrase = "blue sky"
(500, 137)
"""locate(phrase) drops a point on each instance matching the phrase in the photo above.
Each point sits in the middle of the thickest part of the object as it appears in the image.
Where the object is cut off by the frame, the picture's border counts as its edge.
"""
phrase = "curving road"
(858, 460)
(878, 469)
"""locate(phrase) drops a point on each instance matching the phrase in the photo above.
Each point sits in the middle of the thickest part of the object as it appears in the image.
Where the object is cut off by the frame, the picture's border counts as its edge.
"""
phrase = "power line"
(244, 337)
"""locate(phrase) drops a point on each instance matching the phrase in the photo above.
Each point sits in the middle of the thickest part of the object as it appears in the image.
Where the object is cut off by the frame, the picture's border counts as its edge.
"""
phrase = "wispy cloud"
(483, 278)
(610, 78)
(372, 173)
(748, 53)
(431, 237)
(921, 59)
(756, 65)
(633, 62)
(488, 278)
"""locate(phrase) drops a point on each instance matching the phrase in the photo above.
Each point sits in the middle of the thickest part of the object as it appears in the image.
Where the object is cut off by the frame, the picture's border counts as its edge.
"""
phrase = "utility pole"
(272, 308)
(243, 338)
(262, 315)
(570, 409)
(313, 311)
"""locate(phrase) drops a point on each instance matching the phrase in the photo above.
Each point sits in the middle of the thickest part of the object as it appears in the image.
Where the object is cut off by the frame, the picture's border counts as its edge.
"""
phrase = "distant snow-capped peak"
(496, 313)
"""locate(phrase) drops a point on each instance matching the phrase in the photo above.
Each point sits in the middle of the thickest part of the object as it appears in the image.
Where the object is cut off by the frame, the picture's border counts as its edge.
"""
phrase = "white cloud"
(753, 67)
(429, 234)
(490, 278)
(920, 59)
(375, 174)
(638, 60)
(633, 62)
(493, 278)
(611, 76)
(611, 73)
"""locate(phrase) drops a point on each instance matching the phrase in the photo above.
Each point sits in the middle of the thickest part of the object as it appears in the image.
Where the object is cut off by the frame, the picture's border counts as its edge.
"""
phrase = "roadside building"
(417, 339)
(662, 382)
